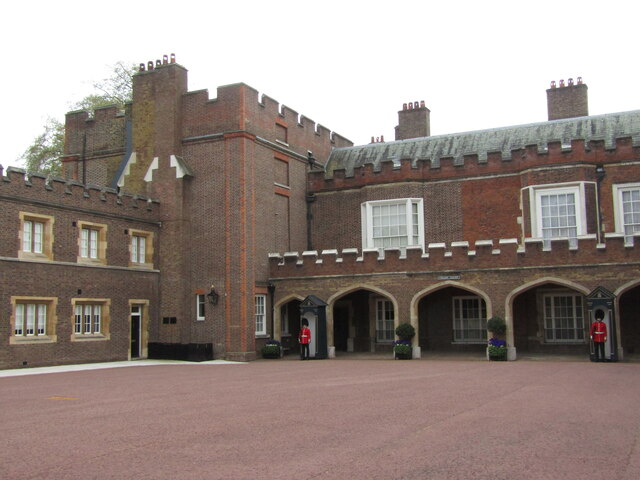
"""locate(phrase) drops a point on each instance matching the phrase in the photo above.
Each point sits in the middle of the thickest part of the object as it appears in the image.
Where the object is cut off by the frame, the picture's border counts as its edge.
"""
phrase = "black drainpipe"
(84, 159)
(310, 198)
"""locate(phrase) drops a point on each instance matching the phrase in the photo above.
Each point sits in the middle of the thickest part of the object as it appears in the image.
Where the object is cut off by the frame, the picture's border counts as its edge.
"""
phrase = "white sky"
(346, 65)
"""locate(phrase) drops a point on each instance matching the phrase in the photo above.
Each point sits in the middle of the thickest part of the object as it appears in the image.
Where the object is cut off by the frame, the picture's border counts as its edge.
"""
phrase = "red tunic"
(599, 332)
(305, 335)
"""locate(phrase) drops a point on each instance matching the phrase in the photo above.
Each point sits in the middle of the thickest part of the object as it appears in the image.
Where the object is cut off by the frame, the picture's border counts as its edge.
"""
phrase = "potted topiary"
(497, 326)
(402, 348)
(271, 349)
(497, 347)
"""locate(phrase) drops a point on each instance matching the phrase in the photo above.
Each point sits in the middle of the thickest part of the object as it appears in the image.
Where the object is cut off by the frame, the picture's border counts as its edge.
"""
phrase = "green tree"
(43, 155)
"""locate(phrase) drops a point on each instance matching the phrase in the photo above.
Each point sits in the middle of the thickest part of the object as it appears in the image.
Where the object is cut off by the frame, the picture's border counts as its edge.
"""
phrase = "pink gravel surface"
(327, 419)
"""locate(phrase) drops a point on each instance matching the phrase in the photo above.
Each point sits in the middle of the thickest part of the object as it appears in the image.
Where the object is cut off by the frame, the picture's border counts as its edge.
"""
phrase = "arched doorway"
(629, 318)
(363, 321)
(452, 318)
(288, 318)
(550, 317)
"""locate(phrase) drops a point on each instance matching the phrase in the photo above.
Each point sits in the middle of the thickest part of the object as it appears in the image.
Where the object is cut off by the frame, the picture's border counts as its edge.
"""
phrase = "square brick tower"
(230, 176)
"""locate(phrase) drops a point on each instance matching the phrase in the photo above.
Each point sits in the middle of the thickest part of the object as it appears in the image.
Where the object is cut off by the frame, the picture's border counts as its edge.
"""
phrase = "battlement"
(402, 161)
(54, 191)
(263, 117)
(458, 256)
(101, 132)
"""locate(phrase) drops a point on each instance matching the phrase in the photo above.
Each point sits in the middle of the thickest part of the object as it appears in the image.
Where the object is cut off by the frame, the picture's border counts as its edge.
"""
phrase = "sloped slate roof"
(605, 128)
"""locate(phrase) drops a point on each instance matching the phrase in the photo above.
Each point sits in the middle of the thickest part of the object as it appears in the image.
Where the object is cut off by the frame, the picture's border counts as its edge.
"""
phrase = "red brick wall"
(65, 279)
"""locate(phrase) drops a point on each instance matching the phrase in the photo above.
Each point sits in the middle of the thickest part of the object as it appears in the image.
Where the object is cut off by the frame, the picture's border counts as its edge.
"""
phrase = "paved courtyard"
(348, 418)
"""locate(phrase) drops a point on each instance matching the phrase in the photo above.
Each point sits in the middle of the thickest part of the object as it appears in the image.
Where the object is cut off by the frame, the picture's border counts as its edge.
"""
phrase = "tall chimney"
(413, 121)
(567, 101)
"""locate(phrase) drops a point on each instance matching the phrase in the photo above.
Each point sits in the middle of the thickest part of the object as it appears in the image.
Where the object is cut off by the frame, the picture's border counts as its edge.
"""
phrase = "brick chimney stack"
(413, 121)
(567, 101)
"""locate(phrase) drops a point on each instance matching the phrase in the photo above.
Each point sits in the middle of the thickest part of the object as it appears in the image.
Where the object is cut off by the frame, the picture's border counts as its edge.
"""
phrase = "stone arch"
(333, 306)
(627, 305)
(277, 316)
(513, 295)
(414, 307)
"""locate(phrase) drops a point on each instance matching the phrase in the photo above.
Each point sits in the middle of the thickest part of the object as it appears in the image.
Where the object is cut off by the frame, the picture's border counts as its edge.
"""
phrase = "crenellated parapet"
(459, 256)
(604, 139)
(263, 117)
(495, 163)
(101, 132)
(17, 184)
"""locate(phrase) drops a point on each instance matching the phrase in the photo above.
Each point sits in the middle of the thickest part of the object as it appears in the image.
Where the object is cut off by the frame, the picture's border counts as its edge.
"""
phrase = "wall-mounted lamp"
(213, 296)
(600, 172)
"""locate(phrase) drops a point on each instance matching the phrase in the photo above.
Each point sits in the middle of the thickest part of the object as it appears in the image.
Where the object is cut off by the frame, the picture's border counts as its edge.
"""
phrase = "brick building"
(159, 241)
(536, 223)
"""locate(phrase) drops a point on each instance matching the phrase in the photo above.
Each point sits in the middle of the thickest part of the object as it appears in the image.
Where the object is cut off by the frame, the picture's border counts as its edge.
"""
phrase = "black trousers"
(598, 348)
(304, 351)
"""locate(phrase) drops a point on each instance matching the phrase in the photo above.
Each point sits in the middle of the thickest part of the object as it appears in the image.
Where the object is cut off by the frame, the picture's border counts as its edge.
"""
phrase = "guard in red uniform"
(599, 335)
(304, 338)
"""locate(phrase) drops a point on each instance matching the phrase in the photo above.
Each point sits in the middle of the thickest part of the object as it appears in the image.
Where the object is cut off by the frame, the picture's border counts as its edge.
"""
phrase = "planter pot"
(402, 356)
(497, 354)
(270, 352)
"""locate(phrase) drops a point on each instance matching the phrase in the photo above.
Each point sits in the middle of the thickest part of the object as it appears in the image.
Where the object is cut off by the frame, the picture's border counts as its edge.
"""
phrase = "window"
(93, 243)
(393, 223)
(384, 321)
(89, 243)
(36, 236)
(469, 320)
(558, 213)
(141, 249)
(284, 320)
(90, 319)
(33, 233)
(282, 133)
(33, 320)
(627, 208)
(563, 318)
(200, 297)
(260, 314)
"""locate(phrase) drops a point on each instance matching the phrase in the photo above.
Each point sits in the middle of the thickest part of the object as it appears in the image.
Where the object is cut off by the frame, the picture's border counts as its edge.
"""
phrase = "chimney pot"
(141, 67)
(570, 82)
(561, 83)
(149, 65)
(173, 58)
(404, 106)
(165, 59)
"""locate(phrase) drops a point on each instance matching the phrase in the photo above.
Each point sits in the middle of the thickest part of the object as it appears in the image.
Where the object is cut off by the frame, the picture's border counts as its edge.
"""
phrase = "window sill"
(79, 337)
(32, 340)
(141, 266)
(34, 256)
(92, 261)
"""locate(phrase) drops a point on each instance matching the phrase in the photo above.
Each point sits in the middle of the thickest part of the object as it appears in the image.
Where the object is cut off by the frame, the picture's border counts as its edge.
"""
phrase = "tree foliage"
(43, 155)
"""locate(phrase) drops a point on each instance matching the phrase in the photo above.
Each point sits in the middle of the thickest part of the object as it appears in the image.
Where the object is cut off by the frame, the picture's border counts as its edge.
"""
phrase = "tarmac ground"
(355, 417)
